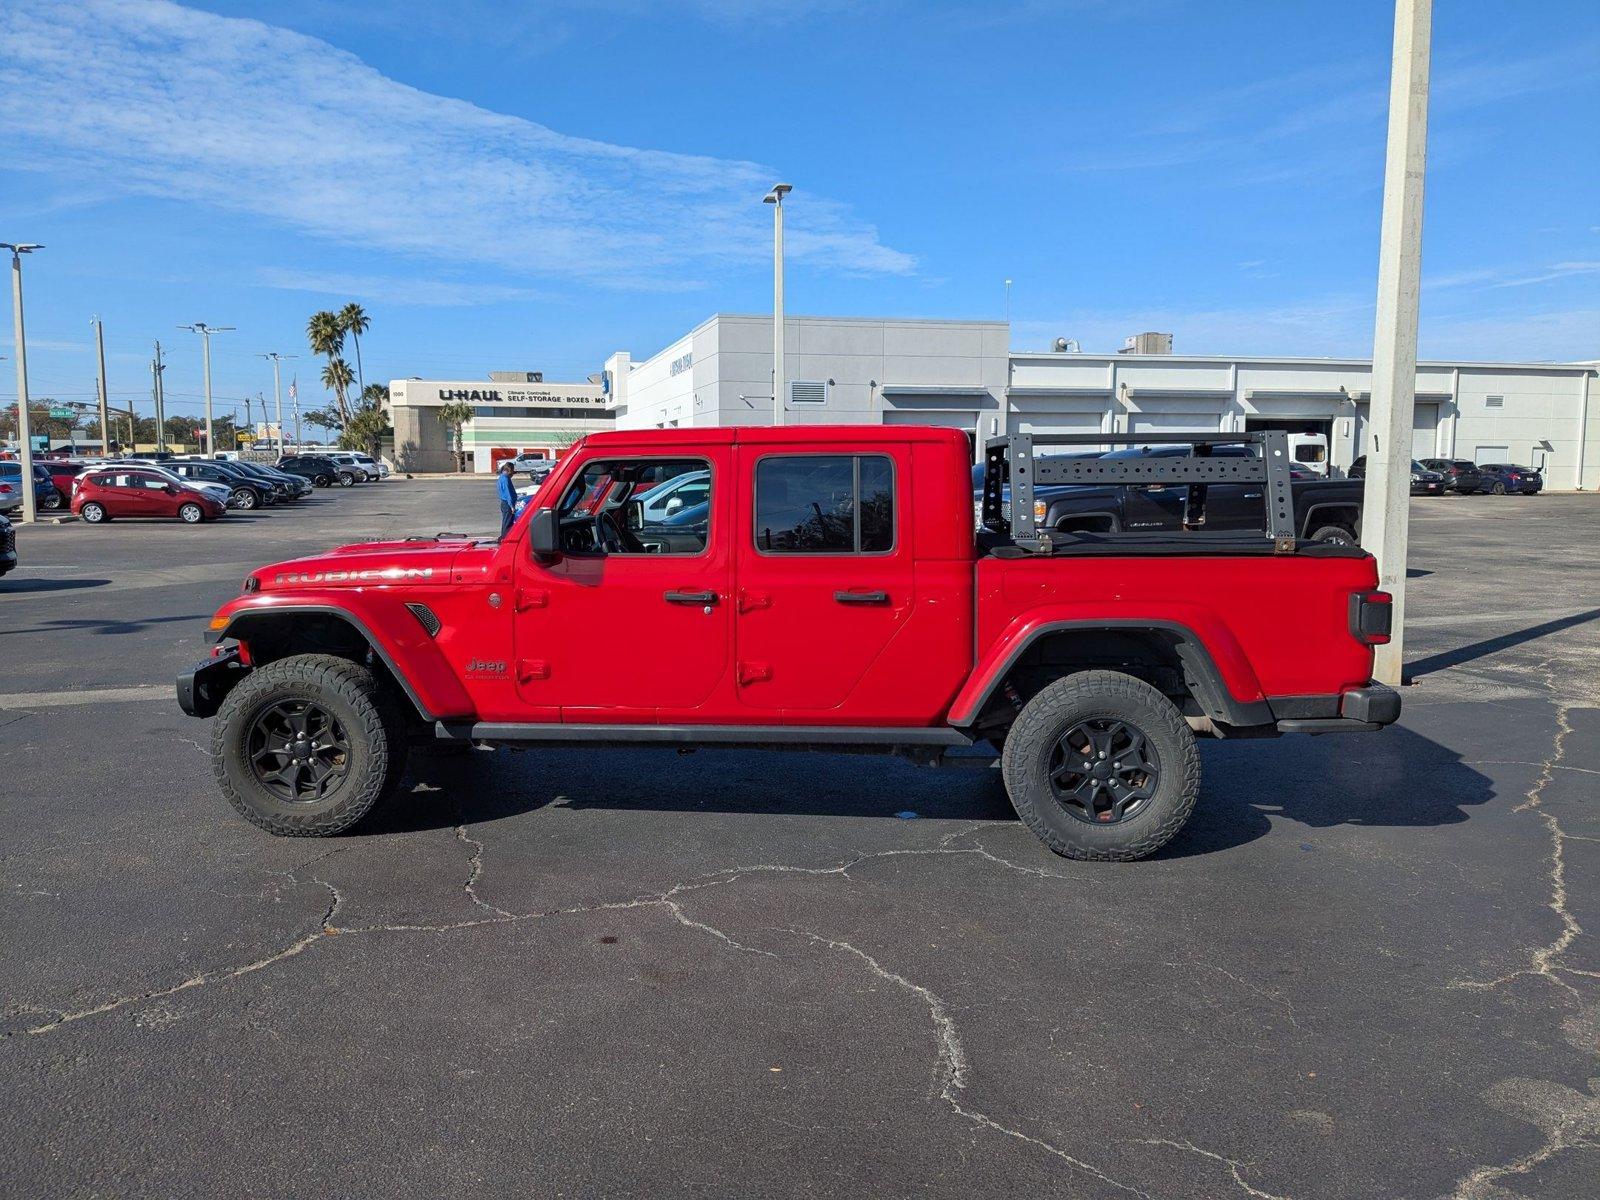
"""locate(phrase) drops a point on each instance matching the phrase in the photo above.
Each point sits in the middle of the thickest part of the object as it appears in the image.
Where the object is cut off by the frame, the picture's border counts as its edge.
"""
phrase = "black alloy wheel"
(322, 481)
(1103, 771)
(54, 500)
(298, 750)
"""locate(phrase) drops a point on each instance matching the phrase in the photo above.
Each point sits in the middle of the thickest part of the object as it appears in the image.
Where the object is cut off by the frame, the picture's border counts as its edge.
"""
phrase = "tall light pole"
(158, 395)
(1008, 302)
(205, 331)
(775, 198)
(18, 249)
(105, 396)
(277, 389)
(1386, 495)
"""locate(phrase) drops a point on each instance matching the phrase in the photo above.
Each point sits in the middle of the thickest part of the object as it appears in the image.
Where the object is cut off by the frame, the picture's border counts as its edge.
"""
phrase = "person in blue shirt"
(508, 498)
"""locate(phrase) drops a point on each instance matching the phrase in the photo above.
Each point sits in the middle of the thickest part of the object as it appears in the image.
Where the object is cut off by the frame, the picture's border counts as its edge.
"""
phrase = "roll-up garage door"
(1174, 422)
(1084, 422)
(1425, 431)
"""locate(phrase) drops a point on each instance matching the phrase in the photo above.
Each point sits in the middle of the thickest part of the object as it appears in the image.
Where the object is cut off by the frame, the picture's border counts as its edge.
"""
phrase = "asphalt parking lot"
(1362, 971)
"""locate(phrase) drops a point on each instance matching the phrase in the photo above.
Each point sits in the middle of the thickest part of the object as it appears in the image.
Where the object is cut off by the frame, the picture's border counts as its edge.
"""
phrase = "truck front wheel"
(305, 746)
(1101, 766)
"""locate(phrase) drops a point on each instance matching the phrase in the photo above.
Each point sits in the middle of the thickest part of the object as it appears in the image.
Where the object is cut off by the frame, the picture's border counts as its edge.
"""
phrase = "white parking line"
(144, 691)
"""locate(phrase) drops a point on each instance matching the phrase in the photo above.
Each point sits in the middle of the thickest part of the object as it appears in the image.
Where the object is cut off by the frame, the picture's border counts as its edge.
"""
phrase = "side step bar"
(782, 736)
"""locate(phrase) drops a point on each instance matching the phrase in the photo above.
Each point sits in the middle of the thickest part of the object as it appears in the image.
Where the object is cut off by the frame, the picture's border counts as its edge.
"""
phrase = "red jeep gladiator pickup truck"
(810, 587)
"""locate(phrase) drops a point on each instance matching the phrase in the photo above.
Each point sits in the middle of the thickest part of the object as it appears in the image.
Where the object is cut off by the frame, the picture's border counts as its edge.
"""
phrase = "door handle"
(861, 597)
(691, 597)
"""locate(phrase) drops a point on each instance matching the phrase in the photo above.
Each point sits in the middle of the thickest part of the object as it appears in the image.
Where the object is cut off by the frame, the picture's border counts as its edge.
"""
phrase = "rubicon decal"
(387, 573)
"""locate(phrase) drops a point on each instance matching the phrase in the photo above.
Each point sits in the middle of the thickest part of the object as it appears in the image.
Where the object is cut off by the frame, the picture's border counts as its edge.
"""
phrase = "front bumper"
(203, 687)
(1360, 710)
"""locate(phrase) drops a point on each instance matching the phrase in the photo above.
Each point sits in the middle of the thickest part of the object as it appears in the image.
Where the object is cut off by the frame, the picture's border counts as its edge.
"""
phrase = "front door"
(825, 575)
(632, 621)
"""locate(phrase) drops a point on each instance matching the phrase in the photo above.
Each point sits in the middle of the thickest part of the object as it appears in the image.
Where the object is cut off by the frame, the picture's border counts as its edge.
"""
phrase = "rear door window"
(825, 504)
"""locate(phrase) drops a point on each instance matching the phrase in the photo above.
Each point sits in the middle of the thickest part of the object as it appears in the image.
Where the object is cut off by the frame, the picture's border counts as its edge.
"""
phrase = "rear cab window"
(825, 504)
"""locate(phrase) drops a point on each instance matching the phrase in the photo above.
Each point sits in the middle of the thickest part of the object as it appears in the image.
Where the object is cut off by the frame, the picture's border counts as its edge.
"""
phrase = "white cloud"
(420, 293)
(166, 101)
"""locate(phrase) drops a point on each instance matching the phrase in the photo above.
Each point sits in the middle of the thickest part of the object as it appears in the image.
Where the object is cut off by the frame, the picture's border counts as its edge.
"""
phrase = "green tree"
(375, 395)
(453, 416)
(366, 431)
(353, 320)
(337, 378)
(323, 418)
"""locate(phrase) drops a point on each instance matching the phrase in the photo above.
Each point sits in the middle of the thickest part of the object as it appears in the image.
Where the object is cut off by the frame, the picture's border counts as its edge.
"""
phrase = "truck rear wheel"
(305, 746)
(1101, 766)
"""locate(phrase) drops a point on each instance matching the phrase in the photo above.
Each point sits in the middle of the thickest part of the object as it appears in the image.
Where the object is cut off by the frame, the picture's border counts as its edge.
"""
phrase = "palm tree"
(337, 378)
(325, 333)
(453, 416)
(353, 320)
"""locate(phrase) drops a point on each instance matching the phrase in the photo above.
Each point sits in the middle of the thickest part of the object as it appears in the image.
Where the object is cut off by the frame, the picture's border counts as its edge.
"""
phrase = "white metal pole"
(26, 447)
(1583, 429)
(211, 442)
(277, 400)
(1386, 496)
(777, 311)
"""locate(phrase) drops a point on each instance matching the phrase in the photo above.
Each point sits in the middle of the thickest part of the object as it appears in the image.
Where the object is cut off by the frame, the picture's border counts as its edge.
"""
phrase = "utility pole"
(18, 249)
(249, 421)
(205, 331)
(775, 198)
(100, 351)
(277, 390)
(158, 390)
(1386, 497)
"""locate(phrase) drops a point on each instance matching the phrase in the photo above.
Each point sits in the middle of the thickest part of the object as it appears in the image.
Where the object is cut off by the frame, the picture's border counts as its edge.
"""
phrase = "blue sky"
(534, 185)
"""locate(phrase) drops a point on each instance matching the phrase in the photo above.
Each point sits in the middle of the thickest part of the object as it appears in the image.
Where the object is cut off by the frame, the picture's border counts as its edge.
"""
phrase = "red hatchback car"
(129, 492)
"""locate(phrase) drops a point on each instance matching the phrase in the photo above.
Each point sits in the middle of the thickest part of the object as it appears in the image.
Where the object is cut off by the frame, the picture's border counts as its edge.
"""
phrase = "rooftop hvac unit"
(1147, 343)
(516, 376)
(1068, 346)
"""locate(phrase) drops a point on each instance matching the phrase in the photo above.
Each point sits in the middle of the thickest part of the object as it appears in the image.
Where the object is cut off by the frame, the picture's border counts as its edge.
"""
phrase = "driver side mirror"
(544, 534)
(172, 489)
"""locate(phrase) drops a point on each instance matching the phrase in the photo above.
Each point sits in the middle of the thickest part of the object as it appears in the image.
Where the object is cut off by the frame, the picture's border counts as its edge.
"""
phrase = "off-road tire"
(1335, 535)
(93, 513)
(372, 721)
(1050, 714)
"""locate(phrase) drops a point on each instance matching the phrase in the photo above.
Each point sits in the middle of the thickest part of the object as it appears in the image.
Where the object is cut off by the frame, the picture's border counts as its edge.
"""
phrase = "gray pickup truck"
(1325, 510)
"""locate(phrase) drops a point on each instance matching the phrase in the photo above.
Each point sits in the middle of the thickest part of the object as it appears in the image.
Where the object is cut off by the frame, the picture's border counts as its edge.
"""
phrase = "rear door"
(825, 575)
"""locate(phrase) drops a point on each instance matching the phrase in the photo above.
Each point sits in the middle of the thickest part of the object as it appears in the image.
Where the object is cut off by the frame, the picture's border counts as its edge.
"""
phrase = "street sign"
(62, 413)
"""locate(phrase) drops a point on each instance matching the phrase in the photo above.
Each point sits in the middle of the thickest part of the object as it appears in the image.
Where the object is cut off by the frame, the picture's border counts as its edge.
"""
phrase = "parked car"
(372, 464)
(8, 546)
(220, 492)
(1423, 481)
(63, 474)
(244, 492)
(131, 491)
(364, 472)
(289, 487)
(535, 466)
(1460, 474)
(320, 469)
(45, 495)
(1501, 478)
(1326, 510)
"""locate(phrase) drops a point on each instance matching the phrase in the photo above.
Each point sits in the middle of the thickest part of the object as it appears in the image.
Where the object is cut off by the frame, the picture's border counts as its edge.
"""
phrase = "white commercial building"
(962, 374)
(513, 412)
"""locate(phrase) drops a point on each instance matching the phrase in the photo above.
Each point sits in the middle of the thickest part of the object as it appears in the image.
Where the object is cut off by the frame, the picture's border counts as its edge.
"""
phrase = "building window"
(808, 391)
(525, 413)
(825, 504)
(1494, 401)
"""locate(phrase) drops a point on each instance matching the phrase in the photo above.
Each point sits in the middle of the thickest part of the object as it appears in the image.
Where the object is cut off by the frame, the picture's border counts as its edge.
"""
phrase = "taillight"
(6, 489)
(1371, 617)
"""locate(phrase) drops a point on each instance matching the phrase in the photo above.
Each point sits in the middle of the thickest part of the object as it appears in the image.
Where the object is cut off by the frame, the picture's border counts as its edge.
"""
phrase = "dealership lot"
(1362, 970)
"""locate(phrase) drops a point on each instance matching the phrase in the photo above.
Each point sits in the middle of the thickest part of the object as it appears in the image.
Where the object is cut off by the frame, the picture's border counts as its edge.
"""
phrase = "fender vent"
(425, 614)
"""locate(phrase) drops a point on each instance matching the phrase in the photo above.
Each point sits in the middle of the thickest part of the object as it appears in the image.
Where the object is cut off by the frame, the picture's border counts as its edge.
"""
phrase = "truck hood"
(445, 559)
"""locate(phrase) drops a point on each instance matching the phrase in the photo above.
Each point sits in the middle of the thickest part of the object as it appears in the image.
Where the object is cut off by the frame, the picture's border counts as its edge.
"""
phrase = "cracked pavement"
(1368, 968)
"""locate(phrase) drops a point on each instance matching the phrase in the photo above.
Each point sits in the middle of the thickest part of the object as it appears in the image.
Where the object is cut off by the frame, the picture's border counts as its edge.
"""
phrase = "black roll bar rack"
(1012, 460)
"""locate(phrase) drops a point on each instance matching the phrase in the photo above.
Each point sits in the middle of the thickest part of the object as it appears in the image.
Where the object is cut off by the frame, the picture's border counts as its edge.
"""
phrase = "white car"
(534, 466)
(678, 493)
(371, 464)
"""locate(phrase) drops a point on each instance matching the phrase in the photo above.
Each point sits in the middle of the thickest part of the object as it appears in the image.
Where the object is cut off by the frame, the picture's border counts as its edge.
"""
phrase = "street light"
(18, 249)
(775, 198)
(277, 388)
(205, 331)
